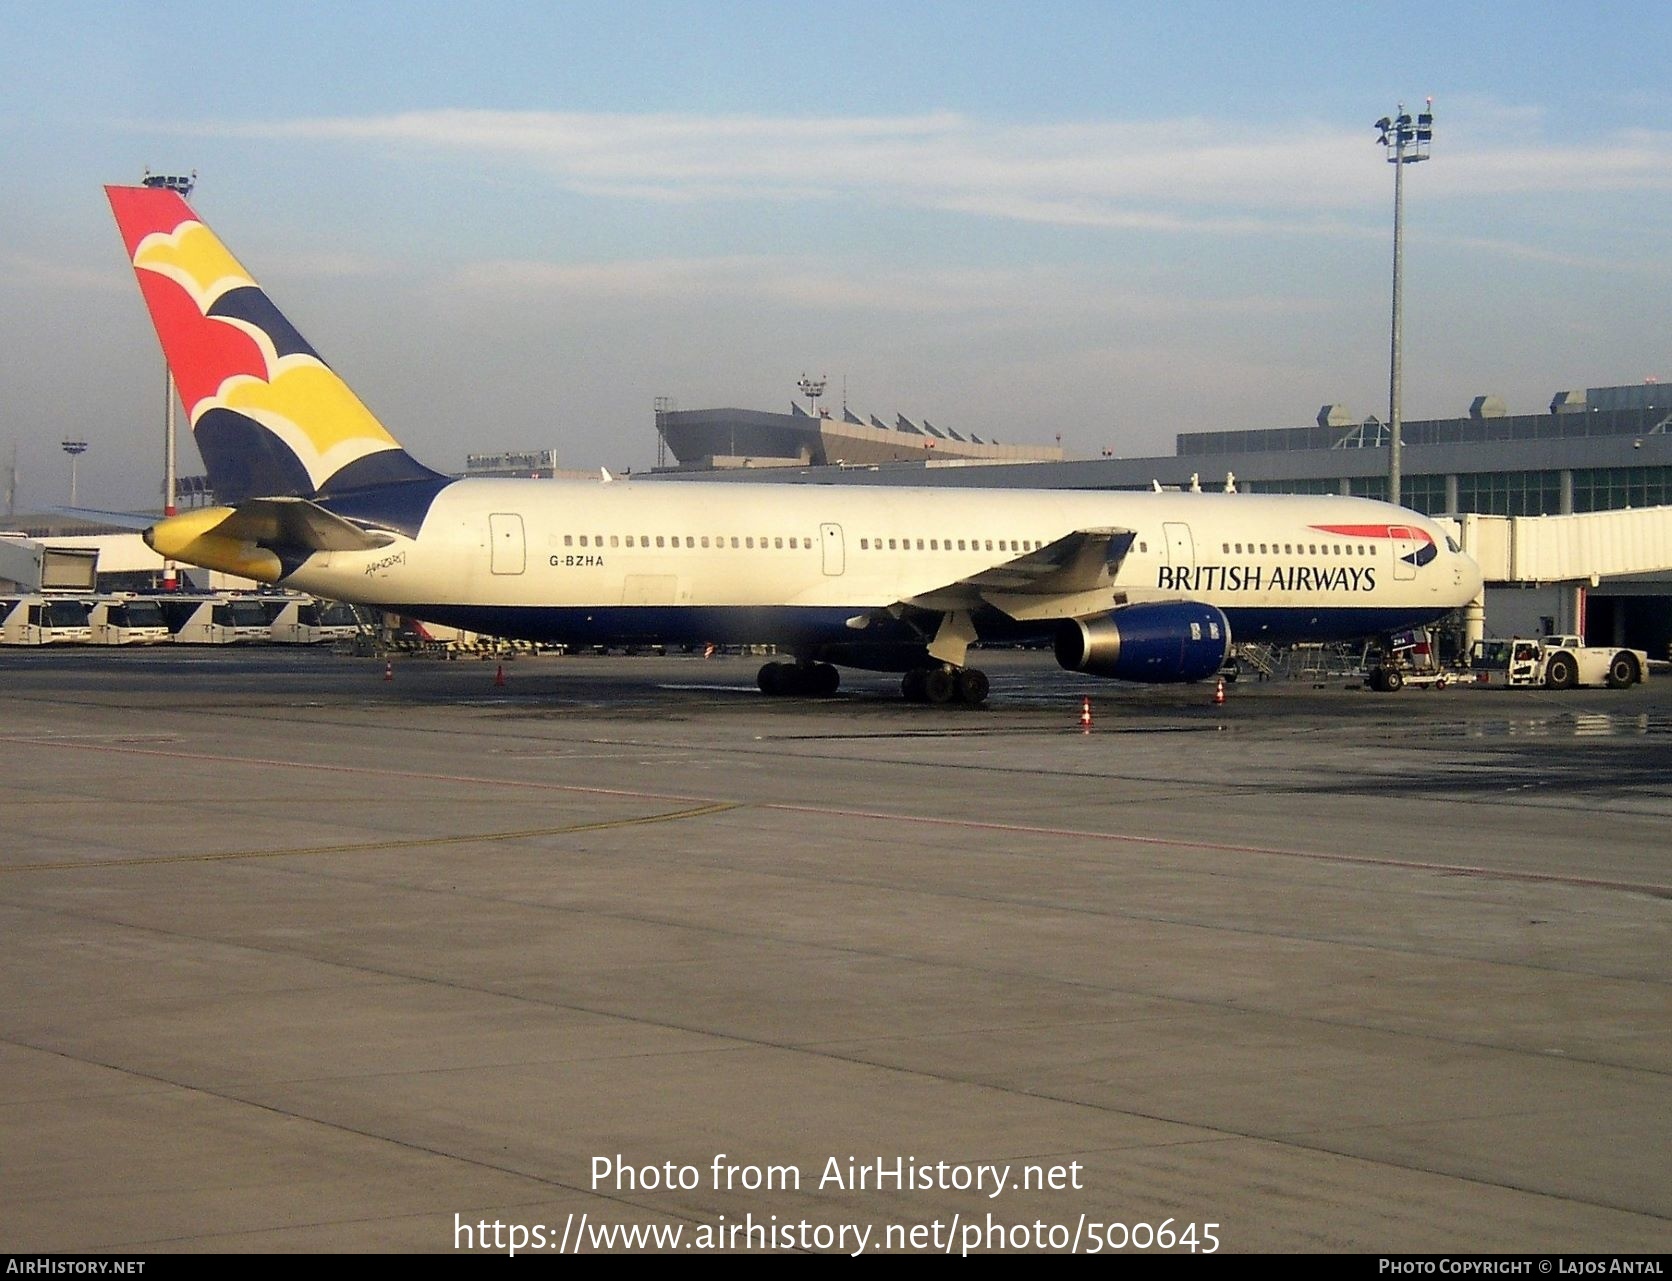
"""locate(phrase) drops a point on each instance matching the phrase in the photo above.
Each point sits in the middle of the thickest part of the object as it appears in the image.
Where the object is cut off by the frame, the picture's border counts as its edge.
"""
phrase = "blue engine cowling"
(1160, 643)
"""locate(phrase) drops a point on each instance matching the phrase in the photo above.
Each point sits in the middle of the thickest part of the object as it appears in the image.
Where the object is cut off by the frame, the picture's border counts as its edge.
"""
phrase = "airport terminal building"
(1605, 449)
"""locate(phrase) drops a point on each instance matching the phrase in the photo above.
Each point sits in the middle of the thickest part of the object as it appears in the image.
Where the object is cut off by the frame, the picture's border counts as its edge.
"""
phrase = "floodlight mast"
(183, 184)
(1407, 142)
(812, 388)
(75, 449)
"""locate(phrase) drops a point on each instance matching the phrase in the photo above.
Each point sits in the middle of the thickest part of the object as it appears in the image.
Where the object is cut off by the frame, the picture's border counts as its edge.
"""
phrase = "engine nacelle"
(1161, 643)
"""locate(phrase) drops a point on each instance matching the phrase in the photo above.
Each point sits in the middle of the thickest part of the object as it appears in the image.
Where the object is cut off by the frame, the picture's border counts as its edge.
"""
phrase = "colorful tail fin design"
(270, 418)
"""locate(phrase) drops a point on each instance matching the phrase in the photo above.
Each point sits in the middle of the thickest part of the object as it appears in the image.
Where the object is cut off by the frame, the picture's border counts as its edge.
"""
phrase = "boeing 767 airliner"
(320, 497)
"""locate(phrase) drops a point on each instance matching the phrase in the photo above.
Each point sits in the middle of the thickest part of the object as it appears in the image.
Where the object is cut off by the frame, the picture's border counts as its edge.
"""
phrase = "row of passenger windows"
(947, 544)
(1293, 549)
(793, 542)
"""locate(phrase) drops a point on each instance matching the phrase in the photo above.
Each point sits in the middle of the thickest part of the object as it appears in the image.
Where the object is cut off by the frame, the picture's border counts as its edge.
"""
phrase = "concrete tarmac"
(300, 959)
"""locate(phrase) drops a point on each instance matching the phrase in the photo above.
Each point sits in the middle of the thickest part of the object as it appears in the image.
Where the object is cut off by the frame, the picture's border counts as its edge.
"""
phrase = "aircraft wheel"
(1622, 672)
(911, 686)
(972, 687)
(940, 685)
(1392, 680)
(1377, 680)
(1563, 672)
(771, 679)
(823, 680)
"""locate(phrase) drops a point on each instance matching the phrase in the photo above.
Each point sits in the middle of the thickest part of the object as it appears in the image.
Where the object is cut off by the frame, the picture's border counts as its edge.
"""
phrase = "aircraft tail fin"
(270, 418)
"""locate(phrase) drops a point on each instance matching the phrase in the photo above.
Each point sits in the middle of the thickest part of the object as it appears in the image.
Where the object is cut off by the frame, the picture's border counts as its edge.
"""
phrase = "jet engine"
(1161, 643)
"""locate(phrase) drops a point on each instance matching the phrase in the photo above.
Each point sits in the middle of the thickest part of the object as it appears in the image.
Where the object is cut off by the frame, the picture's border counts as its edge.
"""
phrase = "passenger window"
(583, 540)
(613, 540)
(778, 543)
(705, 540)
(749, 543)
(568, 540)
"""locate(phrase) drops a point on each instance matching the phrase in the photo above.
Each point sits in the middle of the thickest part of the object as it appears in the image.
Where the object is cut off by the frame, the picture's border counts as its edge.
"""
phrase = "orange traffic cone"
(388, 671)
(1219, 693)
(499, 677)
(1085, 713)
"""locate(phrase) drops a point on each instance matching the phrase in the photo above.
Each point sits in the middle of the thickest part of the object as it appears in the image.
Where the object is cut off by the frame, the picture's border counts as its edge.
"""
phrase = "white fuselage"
(590, 560)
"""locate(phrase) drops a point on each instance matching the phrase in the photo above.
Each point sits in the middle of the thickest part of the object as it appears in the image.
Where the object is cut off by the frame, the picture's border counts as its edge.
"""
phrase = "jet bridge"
(1569, 557)
(36, 566)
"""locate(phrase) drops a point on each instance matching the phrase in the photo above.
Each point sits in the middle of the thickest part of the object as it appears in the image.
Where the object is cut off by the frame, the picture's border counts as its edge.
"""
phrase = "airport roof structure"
(708, 439)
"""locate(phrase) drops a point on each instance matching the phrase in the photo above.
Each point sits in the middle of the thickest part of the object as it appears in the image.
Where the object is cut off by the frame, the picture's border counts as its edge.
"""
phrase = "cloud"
(1011, 296)
(1188, 176)
(64, 276)
(1070, 172)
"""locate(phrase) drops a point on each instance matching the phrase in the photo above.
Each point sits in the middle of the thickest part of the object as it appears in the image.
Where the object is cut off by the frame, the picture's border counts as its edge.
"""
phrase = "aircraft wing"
(1072, 576)
(97, 516)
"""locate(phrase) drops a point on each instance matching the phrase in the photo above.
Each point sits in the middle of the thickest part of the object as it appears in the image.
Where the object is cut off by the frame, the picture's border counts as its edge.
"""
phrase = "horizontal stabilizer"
(263, 538)
(297, 524)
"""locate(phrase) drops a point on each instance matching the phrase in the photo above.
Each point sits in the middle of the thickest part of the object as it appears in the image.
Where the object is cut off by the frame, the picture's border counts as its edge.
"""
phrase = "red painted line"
(877, 816)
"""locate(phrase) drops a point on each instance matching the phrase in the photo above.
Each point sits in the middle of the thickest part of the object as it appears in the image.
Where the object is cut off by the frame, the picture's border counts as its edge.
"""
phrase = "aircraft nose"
(1469, 575)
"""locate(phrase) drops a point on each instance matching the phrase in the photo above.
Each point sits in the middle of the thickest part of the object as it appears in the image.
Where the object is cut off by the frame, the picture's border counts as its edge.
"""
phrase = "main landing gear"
(945, 684)
(816, 680)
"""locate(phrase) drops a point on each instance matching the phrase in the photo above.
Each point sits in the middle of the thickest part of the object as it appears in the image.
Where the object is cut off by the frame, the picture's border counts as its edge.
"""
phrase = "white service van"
(215, 620)
(44, 620)
(128, 620)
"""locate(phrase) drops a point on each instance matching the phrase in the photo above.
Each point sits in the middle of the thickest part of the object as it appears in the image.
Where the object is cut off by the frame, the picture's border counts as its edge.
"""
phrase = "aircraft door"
(835, 551)
(505, 537)
(1404, 552)
(1181, 548)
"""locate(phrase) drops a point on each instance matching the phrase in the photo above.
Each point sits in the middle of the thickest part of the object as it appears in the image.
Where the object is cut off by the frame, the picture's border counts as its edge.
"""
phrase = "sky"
(514, 226)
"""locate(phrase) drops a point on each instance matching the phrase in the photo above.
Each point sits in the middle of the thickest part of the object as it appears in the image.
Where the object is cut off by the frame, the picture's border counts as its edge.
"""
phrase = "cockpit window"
(1451, 545)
